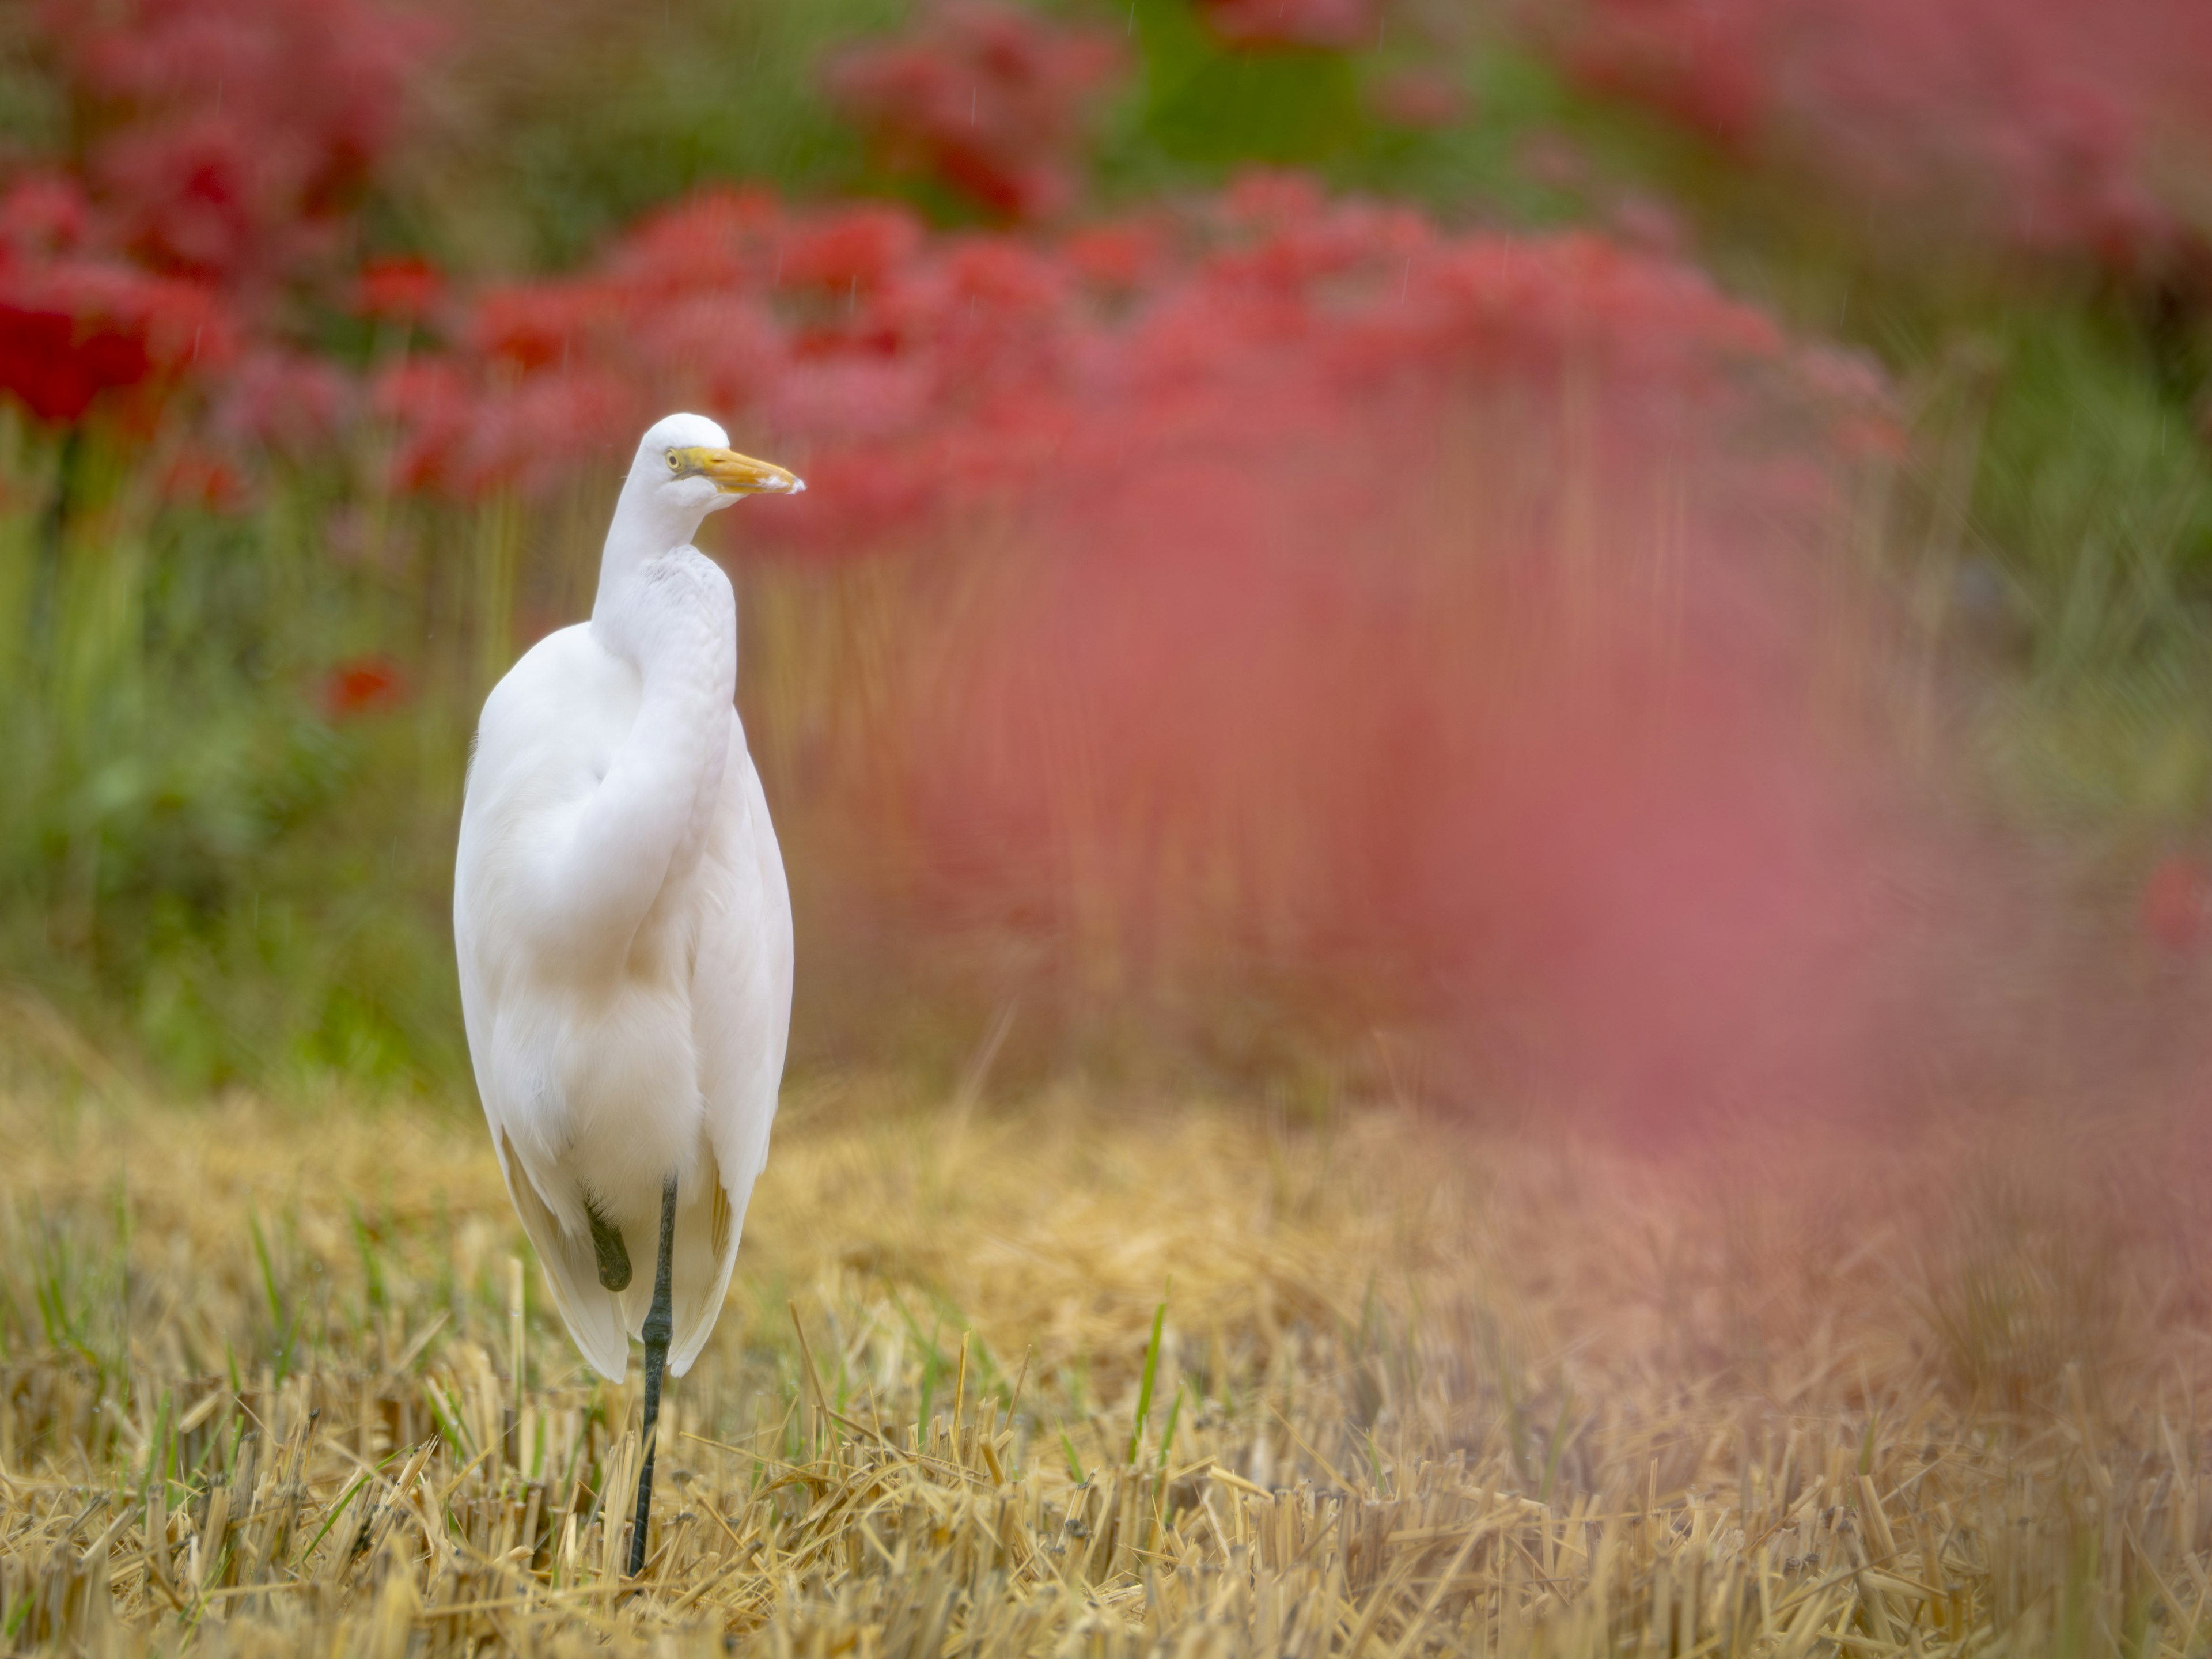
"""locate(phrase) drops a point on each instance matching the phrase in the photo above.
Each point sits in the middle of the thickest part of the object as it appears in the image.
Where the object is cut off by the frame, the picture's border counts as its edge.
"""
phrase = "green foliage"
(34, 114)
(1145, 1380)
(618, 108)
(2098, 493)
(1218, 107)
(2055, 520)
(205, 865)
(1200, 110)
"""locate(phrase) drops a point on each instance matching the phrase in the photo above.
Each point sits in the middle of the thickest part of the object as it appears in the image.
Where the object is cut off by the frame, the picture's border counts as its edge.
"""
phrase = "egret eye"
(675, 463)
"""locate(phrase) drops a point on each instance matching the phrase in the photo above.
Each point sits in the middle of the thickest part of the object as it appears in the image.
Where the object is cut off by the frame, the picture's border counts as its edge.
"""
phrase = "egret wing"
(495, 1007)
(741, 1022)
(593, 1314)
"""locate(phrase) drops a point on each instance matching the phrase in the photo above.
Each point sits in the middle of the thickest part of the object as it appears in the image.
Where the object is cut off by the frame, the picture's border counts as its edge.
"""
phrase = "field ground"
(1419, 1388)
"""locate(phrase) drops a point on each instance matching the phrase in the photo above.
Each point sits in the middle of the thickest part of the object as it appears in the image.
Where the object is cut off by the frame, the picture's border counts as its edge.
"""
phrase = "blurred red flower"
(220, 144)
(1118, 257)
(844, 249)
(1419, 99)
(535, 436)
(405, 289)
(363, 686)
(933, 374)
(198, 478)
(282, 401)
(1331, 25)
(44, 214)
(535, 325)
(72, 330)
(2176, 907)
(433, 404)
(990, 99)
(228, 137)
(2051, 126)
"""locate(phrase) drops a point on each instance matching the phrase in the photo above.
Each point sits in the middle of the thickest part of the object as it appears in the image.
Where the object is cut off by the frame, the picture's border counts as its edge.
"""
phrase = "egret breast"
(628, 1073)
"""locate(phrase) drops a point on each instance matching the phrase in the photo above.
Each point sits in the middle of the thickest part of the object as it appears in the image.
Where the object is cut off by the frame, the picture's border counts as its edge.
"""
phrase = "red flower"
(1331, 25)
(72, 330)
(716, 239)
(1421, 97)
(284, 401)
(2177, 902)
(200, 478)
(363, 686)
(2052, 126)
(990, 99)
(435, 407)
(538, 433)
(535, 325)
(57, 365)
(226, 138)
(398, 290)
(847, 249)
(1119, 257)
(45, 214)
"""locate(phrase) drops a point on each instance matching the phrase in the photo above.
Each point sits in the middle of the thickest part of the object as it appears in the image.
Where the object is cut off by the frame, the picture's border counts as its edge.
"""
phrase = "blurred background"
(1647, 553)
(1493, 723)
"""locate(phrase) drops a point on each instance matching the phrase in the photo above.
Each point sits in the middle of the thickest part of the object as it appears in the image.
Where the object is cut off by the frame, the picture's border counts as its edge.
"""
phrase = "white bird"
(623, 928)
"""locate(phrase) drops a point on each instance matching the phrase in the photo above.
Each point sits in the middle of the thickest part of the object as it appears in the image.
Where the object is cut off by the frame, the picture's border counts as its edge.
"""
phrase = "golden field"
(1420, 1386)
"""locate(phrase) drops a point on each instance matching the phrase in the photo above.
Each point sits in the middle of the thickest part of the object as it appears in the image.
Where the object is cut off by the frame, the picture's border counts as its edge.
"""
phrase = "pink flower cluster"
(76, 322)
(2048, 126)
(229, 138)
(916, 376)
(1422, 611)
(224, 145)
(986, 98)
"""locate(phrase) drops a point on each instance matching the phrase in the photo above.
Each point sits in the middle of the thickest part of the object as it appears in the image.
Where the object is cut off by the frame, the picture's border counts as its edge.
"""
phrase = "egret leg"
(659, 1326)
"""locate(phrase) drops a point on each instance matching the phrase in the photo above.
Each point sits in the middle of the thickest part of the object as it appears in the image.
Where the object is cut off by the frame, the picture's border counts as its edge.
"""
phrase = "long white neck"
(668, 610)
(646, 526)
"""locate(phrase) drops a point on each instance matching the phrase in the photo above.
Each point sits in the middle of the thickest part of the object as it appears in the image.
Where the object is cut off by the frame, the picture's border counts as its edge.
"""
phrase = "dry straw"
(1415, 1390)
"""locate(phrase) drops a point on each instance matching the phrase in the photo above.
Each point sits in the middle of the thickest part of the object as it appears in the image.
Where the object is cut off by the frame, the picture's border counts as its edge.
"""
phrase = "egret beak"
(734, 474)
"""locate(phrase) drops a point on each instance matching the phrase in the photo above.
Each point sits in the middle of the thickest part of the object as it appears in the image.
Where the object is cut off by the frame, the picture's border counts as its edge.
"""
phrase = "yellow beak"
(734, 474)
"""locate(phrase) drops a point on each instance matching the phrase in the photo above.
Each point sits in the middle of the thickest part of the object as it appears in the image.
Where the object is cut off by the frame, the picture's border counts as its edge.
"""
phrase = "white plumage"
(621, 917)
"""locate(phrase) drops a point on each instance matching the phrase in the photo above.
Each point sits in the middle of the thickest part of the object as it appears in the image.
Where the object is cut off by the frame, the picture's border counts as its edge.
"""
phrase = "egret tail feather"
(594, 1318)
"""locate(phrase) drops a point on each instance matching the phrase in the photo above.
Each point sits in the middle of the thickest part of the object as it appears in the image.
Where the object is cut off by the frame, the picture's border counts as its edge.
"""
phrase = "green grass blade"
(1144, 1384)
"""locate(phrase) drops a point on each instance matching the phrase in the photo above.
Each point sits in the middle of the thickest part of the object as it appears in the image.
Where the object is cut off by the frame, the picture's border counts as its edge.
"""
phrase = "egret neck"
(646, 525)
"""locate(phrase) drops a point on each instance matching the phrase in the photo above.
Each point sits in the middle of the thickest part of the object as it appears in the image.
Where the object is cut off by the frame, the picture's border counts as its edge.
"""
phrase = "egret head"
(689, 465)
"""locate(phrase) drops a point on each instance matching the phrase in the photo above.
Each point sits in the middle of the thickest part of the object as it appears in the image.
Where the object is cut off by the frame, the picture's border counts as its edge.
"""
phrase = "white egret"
(623, 929)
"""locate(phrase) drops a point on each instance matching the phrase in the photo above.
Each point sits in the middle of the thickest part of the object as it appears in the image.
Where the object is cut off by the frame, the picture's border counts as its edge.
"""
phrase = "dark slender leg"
(659, 1326)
